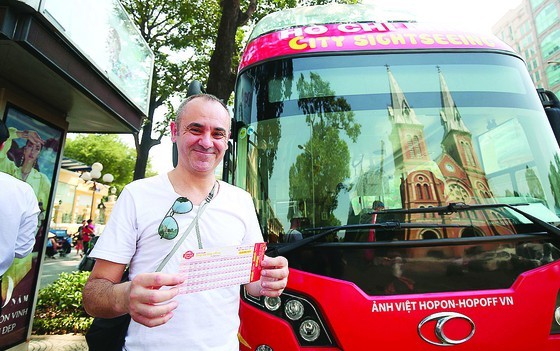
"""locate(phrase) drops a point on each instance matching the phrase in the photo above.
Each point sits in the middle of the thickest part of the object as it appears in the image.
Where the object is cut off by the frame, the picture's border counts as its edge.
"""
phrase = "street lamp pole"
(301, 147)
(93, 176)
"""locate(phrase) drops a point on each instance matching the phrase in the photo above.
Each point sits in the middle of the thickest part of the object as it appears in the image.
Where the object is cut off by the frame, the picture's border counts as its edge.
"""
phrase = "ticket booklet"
(219, 267)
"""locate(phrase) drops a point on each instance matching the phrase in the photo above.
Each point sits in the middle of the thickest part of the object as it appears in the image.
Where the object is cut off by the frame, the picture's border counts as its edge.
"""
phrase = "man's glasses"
(168, 228)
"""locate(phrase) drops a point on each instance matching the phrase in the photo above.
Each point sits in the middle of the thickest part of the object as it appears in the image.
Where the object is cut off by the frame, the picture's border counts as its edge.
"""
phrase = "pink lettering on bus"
(363, 36)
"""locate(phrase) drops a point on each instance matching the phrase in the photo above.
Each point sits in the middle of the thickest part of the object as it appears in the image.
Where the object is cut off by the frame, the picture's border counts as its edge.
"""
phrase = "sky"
(480, 13)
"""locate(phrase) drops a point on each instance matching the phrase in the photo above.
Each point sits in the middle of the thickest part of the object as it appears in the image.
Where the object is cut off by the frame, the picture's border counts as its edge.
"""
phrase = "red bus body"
(510, 319)
(479, 278)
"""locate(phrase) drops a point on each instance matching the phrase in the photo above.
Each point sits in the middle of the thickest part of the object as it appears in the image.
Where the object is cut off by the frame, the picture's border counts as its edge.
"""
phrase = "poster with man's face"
(31, 154)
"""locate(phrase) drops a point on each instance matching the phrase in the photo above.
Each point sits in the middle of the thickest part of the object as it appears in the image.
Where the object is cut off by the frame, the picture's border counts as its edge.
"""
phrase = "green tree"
(117, 157)
(188, 45)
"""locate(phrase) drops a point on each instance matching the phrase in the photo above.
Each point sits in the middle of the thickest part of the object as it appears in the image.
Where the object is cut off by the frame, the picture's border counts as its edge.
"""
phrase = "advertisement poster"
(31, 154)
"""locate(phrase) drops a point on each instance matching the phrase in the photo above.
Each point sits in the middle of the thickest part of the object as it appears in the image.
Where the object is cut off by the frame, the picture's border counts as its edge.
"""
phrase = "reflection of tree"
(554, 178)
(316, 176)
(270, 133)
(322, 109)
(535, 187)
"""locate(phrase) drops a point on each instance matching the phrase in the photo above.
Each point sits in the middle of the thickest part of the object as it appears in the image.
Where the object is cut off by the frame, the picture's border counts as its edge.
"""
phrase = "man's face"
(201, 135)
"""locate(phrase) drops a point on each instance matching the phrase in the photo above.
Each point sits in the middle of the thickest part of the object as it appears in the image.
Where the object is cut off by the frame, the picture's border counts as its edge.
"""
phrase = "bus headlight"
(309, 330)
(293, 309)
(300, 312)
(272, 303)
(555, 323)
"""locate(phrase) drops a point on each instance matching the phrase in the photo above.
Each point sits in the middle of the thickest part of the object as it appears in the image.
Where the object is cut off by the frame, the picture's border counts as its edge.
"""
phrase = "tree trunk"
(143, 146)
(143, 151)
(219, 80)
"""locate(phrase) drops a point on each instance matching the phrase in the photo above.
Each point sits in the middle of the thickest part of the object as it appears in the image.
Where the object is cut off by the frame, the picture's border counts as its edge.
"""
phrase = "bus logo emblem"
(463, 329)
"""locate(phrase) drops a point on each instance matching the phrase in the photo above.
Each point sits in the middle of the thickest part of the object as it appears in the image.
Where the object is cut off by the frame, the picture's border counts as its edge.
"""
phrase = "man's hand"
(274, 278)
(143, 298)
(149, 304)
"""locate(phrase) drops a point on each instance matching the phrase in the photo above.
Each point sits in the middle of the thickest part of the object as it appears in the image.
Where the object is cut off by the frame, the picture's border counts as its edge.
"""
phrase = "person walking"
(87, 235)
(80, 239)
(151, 215)
(19, 217)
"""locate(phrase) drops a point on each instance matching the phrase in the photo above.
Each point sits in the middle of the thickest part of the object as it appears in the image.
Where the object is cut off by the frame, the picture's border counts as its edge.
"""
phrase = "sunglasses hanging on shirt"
(169, 228)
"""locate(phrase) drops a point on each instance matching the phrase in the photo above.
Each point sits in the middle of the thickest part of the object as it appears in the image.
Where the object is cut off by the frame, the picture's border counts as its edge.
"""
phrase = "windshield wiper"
(452, 207)
(390, 225)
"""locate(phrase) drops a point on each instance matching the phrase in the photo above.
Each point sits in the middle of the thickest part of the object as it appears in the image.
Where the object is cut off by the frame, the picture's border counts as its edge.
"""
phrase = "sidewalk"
(51, 270)
(58, 343)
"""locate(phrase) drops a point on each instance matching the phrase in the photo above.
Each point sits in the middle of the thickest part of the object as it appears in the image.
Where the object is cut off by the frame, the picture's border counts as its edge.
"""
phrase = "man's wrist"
(254, 288)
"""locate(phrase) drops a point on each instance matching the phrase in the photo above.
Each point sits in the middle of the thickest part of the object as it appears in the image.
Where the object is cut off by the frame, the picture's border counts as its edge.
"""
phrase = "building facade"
(455, 176)
(77, 200)
(533, 30)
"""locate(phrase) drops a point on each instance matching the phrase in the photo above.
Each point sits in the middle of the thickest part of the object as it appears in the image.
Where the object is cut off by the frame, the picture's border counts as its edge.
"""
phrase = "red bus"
(409, 174)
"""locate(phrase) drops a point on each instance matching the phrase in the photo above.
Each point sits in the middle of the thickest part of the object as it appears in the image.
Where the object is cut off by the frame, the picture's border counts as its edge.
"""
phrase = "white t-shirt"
(206, 320)
(19, 213)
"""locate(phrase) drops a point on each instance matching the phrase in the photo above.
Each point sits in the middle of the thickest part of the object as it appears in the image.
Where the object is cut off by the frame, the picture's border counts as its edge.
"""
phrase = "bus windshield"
(324, 138)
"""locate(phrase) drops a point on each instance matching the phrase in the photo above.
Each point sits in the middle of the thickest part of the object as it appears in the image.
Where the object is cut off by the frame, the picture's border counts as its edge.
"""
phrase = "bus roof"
(353, 28)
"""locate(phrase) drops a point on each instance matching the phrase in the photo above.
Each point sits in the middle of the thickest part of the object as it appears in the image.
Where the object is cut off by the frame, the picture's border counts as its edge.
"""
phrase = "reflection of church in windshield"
(455, 176)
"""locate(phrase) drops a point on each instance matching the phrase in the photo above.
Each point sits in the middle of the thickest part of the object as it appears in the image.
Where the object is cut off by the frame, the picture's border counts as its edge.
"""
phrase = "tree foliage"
(116, 157)
(199, 39)
(175, 30)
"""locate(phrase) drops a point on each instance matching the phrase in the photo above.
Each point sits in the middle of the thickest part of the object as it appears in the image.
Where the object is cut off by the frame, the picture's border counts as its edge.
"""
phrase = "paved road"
(51, 270)
(53, 267)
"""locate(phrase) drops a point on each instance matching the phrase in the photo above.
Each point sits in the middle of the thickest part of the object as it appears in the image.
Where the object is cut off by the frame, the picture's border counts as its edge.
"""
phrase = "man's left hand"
(274, 277)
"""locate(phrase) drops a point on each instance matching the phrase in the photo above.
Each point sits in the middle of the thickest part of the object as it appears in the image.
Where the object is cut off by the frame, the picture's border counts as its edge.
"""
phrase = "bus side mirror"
(551, 106)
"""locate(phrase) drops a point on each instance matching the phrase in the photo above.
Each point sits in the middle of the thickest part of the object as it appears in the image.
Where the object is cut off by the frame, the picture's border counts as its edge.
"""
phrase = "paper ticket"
(207, 269)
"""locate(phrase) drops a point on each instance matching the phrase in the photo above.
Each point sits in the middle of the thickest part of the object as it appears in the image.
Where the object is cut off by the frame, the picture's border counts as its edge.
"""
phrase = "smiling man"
(151, 215)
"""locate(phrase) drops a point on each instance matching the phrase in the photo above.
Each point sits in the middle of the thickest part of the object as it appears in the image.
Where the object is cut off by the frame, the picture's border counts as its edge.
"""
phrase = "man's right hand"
(151, 301)
(146, 298)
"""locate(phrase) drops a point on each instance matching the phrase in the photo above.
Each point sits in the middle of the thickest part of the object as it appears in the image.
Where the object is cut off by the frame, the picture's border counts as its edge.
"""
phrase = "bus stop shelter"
(65, 67)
